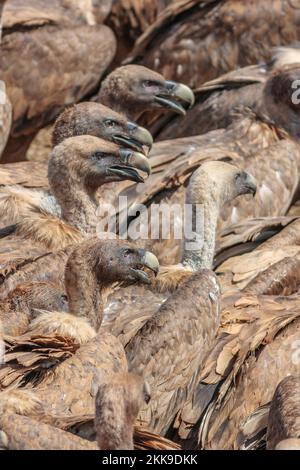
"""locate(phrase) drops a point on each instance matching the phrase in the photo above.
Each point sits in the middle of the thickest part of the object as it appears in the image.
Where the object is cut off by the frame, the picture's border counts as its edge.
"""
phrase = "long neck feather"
(200, 227)
(78, 206)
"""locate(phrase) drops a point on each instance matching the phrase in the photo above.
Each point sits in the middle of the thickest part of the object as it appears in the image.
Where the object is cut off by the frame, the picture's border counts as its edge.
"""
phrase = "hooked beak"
(177, 97)
(148, 261)
(250, 185)
(130, 162)
(137, 139)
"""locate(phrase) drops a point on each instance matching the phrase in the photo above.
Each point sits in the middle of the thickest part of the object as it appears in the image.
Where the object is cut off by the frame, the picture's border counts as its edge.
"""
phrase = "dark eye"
(127, 252)
(150, 84)
(237, 176)
(97, 155)
(110, 123)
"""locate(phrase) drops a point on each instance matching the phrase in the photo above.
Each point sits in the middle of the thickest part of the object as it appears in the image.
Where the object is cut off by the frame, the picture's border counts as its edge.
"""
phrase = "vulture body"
(255, 388)
(17, 309)
(56, 45)
(274, 260)
(85, 163)
(180, 333)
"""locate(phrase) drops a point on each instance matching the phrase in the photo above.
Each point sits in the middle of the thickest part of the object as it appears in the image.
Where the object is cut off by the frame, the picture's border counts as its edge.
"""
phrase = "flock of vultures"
(150, 343)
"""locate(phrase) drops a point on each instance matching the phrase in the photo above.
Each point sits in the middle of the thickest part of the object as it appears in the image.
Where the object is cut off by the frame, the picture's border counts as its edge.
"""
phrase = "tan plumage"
(247, 235)
(171, 346)
(266, 266)
(56, 44)
(284, 414)
(23, 433)
(289, 444)
(196, 41)
(262, 376)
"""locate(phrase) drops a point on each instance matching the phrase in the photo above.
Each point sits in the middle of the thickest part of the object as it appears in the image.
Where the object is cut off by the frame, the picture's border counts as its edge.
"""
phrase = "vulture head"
(91, 162)
(96, 265)
(136, 89)
(90, 118)
(118, 261)
(219, 182)
(117, 406)
(281, 101)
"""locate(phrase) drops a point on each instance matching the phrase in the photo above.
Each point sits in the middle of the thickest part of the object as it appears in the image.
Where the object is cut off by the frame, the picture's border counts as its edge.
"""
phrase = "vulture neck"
(199, 248)
(78, 205)
(84, 292)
